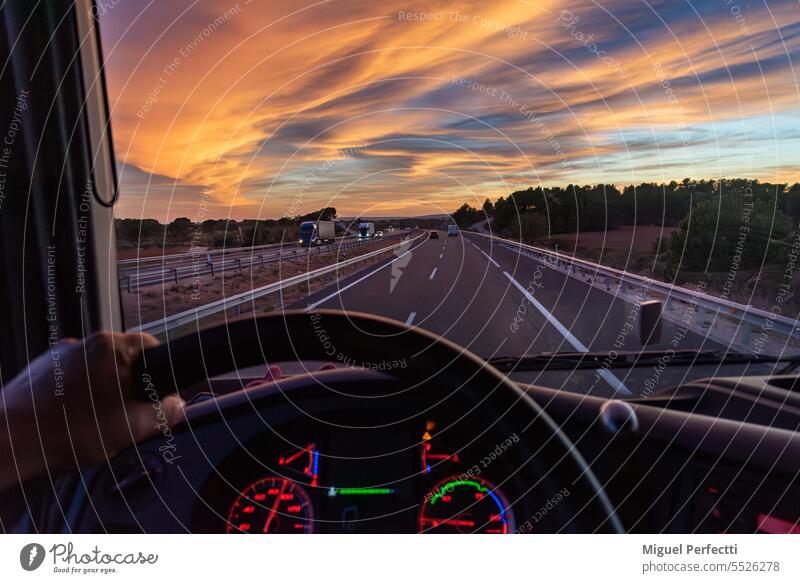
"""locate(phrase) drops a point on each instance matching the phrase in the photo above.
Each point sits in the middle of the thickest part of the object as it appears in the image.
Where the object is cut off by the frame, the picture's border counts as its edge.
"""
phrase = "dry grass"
(635, 237)
(158, 301)
(133, 252)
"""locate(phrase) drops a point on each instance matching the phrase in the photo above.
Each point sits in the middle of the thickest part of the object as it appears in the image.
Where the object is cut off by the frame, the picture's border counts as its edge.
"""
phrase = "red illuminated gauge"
(458, 505)
(272, 505)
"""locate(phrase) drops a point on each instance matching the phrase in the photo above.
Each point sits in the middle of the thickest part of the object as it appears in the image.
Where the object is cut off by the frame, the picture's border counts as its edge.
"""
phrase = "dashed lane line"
(495, 263)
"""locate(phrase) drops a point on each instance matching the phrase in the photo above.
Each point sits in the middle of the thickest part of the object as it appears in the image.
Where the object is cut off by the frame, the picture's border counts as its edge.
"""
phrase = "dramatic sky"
(267, 108)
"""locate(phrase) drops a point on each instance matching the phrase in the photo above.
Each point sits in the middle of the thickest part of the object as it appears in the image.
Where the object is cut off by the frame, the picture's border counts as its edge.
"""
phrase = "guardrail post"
(175, 271)
(608, 283)
(130, 285)
(239, 263)
(261, 261)
(211, 265)
(670, 306)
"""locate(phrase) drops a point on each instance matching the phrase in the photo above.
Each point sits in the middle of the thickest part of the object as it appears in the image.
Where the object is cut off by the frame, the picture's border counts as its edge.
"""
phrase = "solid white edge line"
(433, 273)
(410, 318)
(605, 373)
(352, 283)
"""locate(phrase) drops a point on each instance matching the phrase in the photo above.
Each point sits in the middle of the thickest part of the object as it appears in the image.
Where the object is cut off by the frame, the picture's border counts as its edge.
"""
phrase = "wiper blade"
(627, 359)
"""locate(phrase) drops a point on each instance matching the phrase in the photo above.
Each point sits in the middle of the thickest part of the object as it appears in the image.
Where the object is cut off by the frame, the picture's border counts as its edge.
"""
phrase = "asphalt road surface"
(495, 301)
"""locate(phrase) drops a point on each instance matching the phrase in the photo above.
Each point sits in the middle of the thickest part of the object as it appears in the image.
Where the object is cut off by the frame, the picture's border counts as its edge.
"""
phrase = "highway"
(495, 301)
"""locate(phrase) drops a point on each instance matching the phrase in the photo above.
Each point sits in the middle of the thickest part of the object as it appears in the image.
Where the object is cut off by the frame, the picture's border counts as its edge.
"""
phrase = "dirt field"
(133, 253)
(638, 237)
(154, 302)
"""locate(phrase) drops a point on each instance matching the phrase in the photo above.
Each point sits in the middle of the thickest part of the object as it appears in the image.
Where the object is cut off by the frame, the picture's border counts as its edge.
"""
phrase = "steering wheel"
(436, 371)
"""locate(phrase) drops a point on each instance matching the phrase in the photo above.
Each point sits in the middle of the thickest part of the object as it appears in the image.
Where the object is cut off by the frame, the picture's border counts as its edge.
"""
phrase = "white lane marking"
(352, 283)
(495, 263)
(441, 255)
(433, 273)
(605, 373)
(410, 318)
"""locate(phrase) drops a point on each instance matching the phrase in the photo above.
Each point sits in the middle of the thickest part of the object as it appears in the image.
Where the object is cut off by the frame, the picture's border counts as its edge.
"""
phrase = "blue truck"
(366, 230)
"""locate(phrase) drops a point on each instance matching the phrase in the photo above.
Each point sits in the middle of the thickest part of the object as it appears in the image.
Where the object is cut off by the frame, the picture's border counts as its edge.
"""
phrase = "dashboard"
(318, 454)
(340, 482)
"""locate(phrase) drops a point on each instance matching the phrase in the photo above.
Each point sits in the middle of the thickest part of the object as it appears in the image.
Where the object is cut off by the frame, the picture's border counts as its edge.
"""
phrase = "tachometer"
(472, 505)
(272, 505)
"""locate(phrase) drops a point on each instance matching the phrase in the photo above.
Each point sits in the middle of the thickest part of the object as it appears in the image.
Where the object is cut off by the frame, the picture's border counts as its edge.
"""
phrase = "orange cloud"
(410, 107)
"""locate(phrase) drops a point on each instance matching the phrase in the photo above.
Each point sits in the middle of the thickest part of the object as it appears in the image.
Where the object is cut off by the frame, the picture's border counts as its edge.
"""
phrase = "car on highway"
(452, 230)
(486, 385)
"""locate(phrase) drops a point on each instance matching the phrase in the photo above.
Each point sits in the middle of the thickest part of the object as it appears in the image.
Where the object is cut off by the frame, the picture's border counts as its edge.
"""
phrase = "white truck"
(452, 230)
(366, 230)
(317, 233)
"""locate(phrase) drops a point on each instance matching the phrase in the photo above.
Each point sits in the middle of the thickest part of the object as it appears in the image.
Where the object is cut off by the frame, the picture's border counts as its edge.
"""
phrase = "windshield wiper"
(628, 359)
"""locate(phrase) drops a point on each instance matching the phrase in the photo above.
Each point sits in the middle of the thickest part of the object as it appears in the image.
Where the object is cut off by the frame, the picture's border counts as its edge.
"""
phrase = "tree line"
(719, 222)
(214, 232)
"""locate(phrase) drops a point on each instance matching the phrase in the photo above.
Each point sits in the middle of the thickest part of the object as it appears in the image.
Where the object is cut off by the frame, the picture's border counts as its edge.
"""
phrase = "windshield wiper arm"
(611, 359)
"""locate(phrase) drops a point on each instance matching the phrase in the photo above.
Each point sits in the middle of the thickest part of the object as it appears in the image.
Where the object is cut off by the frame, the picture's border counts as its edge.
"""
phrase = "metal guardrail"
(748, 316)
(189, 256)
(173, 268)
(194, 314)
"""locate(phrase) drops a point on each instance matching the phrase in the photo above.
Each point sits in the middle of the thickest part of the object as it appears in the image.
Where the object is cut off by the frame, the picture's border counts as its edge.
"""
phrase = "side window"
(54, 227)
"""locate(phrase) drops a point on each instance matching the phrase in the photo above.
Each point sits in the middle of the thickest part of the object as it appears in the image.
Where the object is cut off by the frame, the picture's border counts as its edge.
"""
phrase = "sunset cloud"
(271, 107)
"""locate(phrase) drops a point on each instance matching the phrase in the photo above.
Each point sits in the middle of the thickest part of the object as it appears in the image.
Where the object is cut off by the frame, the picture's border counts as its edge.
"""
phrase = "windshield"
(519, 180)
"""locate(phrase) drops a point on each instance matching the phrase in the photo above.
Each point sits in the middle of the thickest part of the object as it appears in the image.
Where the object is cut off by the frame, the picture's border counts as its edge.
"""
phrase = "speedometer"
(272, 504)
(471, 505)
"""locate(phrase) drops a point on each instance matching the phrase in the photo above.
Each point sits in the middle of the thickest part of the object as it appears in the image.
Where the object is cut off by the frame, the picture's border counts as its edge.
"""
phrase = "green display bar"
(359, 491)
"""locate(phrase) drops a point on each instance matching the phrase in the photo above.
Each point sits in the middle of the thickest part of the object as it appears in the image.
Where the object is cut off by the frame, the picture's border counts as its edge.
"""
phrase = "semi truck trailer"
(317, 233)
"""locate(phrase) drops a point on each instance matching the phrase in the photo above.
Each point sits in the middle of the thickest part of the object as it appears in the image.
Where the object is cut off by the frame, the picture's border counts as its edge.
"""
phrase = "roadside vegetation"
(737, 234)
(182, 232)
(136, 236)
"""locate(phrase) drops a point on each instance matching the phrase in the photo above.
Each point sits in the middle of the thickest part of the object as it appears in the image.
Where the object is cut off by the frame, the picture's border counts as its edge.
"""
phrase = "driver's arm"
(73, 406)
